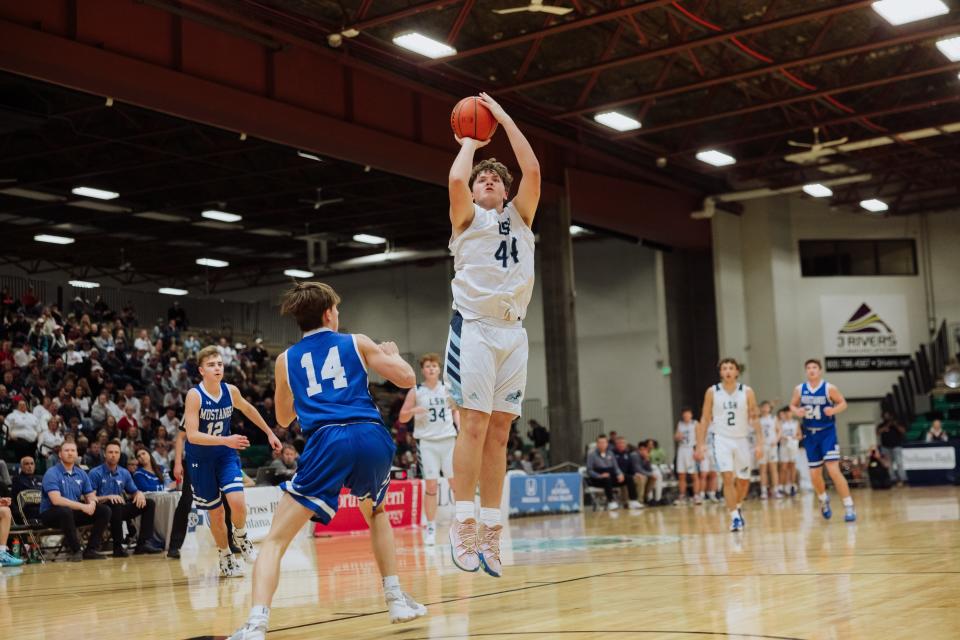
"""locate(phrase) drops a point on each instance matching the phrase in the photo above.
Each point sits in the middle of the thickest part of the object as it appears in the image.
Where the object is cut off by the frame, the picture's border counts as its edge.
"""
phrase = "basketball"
(471, 119)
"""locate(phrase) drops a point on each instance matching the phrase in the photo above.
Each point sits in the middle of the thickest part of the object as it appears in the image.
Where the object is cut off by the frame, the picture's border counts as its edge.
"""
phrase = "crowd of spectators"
(636, 470)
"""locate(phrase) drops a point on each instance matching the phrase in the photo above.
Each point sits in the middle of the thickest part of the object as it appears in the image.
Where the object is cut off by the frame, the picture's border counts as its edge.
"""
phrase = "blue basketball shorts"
(214, 475)
(821, 446)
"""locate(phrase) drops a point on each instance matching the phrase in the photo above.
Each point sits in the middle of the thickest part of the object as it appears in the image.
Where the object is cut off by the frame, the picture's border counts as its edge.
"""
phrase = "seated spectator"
(143, 343)
(69, 501)
(936, 433)
(626, 465)
(26, 479)
(104, 341)
(657, 455)
(94, 455)
(6, 401)
(878, 469)
(171, 422)
(284, 466)
(648, 478)
(150, 476)
(23, 430)
(130, 400)
(517, 462)
(191, 346)
(51, 438)
(6, 520)
(113, 484)
(161, 454)
(128, 446)
(603, 472)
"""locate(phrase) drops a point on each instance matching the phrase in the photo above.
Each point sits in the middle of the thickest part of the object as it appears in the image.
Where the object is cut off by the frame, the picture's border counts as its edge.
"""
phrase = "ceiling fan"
(320, 201)
(815, 149)
(536, 6)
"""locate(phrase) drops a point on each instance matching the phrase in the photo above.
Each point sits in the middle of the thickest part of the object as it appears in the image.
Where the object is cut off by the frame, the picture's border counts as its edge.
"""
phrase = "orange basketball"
(471, 119)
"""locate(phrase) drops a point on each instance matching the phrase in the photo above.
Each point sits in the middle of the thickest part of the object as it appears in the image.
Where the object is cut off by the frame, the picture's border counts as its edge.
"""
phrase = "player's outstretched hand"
(829, 411)
(275, 443)
(178, 471)
(495, 109)
(236, 441)
(476, 143)
(389, 348)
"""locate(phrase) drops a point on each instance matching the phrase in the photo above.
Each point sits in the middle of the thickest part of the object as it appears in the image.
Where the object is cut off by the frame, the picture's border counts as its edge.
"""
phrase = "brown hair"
(814, 361)
(732, 361)
(307, 302)
(115, 443)
(491, 164)
(206, 352)
(429, 357)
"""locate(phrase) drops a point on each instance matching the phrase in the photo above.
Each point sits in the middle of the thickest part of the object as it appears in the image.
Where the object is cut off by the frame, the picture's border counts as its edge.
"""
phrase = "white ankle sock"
(465, 511)
(259, 612)
(823, 496)
(490, 517)
(225, 552)
(240, 532)
(734, 514)
(3, 548)
(848, 501)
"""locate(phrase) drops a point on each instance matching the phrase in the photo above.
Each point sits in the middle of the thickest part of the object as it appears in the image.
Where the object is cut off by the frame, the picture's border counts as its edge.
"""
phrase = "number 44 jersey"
(328, 380)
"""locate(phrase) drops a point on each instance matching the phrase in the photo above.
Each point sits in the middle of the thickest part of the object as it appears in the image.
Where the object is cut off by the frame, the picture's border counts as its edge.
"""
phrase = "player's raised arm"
(458, 185)
(385, 359)
(191, 423)
(528, 192)
(251, 412)
(705, 416)
(839, 402)
(282, 397)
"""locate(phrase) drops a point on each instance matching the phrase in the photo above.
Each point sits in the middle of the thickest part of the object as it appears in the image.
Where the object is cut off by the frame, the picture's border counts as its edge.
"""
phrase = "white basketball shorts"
(732, 455)
(685, 461)
(790, 453)
(436, 456)
(770, 455)
(486, 364)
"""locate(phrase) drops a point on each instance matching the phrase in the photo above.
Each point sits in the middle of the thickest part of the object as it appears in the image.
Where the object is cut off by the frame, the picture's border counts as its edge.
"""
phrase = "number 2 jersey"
(328, 380)
(437, 422)
(493, 260)
(216, 412)
(730, 416)
(813, 402)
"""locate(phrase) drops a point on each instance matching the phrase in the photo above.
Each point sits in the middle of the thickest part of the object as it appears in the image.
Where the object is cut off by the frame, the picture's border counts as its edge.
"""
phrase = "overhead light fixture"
(874, 205)
(172, 291)
(84, 284)
(46, 237)
(577, 230)
(298, 273)
(898, 12)
(950, 47)
(616, 120)
(99, 194)
(222, 216)
(419, 43)
(309, 156)
(212, 262)
(817, 190)
(716, 158)
(366, 238)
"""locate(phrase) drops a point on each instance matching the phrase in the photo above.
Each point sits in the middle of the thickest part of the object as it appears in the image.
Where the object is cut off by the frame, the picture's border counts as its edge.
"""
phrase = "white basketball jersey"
(493, 259)
(689, 432)
(769, 426)
(437, 422)
(790, 429)
(730, 411)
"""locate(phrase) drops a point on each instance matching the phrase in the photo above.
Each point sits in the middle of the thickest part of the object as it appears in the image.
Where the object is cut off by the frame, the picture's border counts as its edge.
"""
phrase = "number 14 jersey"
(328, 380)
(493, 260)
(730, 417)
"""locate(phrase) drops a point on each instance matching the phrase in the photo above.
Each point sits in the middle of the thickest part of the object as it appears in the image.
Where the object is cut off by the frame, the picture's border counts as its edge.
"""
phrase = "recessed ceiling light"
(874, 205)
(716, 158)
(172, 291)
(212, 262)
(298, 273)
(99, 194)
(898, 12)
(617, 121)
(46, 237)
(309, 156)
(950, 47)
(222, 216)
(419, 43)
(366, 238)
(817, 190)
(84, 284)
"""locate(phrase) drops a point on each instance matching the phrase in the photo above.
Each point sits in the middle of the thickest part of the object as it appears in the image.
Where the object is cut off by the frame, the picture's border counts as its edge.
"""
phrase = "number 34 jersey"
(328, 380)
(437, 422)
(493, 260)
(730, 417)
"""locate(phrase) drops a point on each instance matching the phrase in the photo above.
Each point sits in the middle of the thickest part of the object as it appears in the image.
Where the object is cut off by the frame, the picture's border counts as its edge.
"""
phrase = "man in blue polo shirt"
(69, 501)
(112, 483)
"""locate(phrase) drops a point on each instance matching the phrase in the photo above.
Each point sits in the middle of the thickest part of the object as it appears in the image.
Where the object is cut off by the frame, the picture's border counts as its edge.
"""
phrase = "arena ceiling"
(742, 77)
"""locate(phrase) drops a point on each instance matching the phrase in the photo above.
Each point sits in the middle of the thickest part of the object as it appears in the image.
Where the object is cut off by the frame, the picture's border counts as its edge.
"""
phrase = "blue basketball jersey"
(813, 402)
(328, 379)
(215, 416)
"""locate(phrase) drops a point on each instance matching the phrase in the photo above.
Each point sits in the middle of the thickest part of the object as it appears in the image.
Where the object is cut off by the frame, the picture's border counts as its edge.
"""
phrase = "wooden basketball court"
(673, 573)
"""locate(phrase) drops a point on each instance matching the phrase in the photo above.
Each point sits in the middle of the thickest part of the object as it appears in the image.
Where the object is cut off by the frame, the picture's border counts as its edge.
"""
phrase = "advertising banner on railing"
(545, 493)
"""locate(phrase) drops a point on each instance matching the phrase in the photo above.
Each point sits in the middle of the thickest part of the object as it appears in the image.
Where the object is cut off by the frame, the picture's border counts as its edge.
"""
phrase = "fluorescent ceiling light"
(99, 194)
(84, 284)
(817, 190)
(366, 238)
(45, 237)
(898, 12)
(172, 291)
(309, 156)
(298, 273)
(32, 195)
(222, 216)
(98, 206)
(577, 230)
(212, 262)
(716, 158)
(423, 45)
(874, 205)
(950, 47)
(617, 121)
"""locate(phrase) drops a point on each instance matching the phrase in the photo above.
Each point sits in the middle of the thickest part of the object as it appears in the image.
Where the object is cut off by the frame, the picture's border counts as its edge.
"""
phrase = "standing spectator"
(258, 353)
(69, 501)
(936, 433)
(29, 302)
(603, 472)
(538, 434)
(891, 433)
(626, 465)
(23, 430)
(178, 314)
(112, 484)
